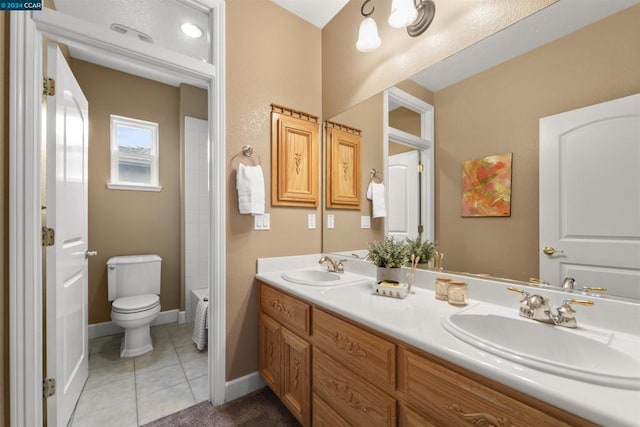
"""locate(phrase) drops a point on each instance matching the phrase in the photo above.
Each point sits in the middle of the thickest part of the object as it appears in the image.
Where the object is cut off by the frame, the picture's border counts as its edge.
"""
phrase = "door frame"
(27, 30)
(424, 144)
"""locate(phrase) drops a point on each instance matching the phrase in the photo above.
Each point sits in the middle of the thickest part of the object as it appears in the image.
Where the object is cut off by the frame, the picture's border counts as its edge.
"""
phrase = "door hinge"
(420, 168)
(48, 387)
(48, 236)
(420, 228)
(48, 86)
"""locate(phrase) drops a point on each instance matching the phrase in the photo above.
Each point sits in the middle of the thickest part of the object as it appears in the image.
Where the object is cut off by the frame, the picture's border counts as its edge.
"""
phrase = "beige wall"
(131, 222)
(347, 234)
(498, 111)
(4, 221)
(272, 57)
(458, 24)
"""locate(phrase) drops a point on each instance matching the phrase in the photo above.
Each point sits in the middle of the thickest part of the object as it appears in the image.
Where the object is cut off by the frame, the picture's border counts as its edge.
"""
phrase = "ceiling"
(317, 12)
(158, 19)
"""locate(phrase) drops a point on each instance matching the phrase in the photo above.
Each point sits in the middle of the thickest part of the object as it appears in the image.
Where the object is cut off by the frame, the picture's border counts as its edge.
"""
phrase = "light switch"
(365, 222)
(261, 222)
(331, 221)
(311, 221)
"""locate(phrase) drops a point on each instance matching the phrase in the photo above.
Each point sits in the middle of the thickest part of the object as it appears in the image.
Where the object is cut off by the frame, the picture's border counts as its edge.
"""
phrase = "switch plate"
(262, 222)
(365, 222)
(331, 219)
(311, 221)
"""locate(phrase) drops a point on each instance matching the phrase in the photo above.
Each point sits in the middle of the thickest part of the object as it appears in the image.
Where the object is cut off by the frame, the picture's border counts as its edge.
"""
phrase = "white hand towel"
(200, 325)
(375, 193)
(250, 186)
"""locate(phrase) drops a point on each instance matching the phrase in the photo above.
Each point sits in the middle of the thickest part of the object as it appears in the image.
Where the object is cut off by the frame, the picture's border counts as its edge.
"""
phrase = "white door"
(403, 192)
(66, 275)
(590, 196)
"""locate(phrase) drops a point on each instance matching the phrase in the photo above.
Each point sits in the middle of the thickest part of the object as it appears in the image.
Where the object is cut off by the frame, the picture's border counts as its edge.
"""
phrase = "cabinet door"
(357, 401)
(325, 416)
(455, 400)
(407, 417)
(296, 386)
(270, 359)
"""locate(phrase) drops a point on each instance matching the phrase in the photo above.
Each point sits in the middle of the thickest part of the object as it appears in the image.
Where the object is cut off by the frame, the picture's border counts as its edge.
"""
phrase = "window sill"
(134, 187)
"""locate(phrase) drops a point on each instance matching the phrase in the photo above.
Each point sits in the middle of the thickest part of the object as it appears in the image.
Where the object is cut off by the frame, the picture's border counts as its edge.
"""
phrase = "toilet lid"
(136, 303)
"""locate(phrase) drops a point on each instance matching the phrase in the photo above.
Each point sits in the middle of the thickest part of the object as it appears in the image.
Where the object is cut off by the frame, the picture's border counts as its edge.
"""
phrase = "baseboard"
(182, 317)
(242, 386)
(109, 328)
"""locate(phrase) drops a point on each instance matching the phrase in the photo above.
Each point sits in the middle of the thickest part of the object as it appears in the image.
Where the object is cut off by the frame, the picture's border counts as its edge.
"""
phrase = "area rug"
(261, 408)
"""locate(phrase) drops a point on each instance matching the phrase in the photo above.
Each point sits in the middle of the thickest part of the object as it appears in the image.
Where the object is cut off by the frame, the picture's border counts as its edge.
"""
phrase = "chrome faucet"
(537, 307)
(333, 265)
(568, 283)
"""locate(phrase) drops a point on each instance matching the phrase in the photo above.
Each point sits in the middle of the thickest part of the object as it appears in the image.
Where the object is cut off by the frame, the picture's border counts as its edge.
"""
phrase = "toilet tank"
(133, 275)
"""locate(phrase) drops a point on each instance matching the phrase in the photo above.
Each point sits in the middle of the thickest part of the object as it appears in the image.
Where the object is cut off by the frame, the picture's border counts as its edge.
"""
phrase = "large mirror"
(484, 108)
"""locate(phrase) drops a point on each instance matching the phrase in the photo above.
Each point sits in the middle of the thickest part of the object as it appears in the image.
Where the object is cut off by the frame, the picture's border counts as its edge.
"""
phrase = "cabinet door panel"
(296, 384)
(270, 361)
(325, 416)
(357, 401)
(365, 353)
(455, 400)
(407, 417)
(287, 310)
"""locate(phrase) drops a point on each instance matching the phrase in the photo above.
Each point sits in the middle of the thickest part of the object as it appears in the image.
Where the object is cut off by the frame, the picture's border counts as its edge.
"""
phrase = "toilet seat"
(135, 304)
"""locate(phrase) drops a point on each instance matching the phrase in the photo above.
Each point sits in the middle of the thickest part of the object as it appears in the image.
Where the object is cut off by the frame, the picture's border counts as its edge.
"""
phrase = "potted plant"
(421, 248)
(388, 255)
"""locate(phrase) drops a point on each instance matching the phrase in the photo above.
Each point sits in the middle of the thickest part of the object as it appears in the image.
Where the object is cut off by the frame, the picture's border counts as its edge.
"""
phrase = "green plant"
(389, 253)
(423, 249)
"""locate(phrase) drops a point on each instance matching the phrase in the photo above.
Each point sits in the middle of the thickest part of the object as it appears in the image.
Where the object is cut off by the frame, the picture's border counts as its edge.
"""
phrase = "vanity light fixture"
(368, 38)
(191, 30)
(414, 15)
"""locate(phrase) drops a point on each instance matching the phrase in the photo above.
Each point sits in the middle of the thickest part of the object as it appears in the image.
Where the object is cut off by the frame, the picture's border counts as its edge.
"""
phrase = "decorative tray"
(390, 288)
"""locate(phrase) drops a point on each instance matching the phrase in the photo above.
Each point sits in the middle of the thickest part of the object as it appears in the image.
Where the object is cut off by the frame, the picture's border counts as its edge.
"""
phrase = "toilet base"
(136, 341)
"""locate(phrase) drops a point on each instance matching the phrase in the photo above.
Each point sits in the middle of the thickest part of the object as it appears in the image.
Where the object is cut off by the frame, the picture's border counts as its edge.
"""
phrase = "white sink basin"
(598, 357)
(323, 278)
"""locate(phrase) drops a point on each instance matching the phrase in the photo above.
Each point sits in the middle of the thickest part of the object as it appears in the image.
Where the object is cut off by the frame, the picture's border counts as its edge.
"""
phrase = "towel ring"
(374, 176)
(247, 152)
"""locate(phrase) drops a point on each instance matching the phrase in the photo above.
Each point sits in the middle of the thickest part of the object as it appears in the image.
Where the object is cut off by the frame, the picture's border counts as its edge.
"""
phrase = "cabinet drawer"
(325, 416)
(285, 309)
(407, 417)
(454, 400)
(358, 402)
(365, 353)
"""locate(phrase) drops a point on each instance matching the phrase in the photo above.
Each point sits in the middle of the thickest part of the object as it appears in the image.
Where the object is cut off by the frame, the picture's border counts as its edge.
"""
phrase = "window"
(134, 154)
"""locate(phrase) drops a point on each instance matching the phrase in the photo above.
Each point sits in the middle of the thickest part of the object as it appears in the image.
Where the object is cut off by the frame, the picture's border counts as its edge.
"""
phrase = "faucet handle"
(340, 265)
(567, 315)
(594, 289)
(577, 301)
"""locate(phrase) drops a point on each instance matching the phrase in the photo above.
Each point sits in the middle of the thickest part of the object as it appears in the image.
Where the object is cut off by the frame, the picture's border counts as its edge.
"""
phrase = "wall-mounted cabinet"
(343, 166)
(294, 158)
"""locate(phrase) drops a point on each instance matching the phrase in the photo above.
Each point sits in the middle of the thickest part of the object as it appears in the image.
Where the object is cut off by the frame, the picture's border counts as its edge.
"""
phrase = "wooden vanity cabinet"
(330, 371)
(285, 356)
(445, 397)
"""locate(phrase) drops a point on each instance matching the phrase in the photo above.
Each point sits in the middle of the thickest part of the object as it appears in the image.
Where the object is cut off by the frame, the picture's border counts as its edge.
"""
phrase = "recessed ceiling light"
(191, 30)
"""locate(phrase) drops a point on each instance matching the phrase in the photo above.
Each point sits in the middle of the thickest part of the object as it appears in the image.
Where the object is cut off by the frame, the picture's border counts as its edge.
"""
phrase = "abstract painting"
(486, 186)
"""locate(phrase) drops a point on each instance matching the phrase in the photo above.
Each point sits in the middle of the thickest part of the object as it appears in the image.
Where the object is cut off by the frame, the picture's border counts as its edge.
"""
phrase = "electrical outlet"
(311, 221)
(261, 222)
(331, 219)
(365, 222)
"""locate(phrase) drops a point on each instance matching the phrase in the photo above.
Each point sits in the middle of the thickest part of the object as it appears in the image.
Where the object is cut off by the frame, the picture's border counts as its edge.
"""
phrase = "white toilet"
(134, 285)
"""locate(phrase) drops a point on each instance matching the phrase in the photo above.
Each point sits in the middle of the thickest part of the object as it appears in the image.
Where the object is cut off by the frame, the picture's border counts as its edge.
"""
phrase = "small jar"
(442, 288)
(458, 292)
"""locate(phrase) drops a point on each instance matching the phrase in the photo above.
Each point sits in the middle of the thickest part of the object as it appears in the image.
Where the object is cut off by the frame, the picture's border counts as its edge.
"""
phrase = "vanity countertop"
(416, 320)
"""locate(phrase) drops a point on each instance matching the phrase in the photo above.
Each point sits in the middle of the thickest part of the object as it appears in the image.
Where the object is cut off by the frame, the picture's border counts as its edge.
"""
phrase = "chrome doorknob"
(88, 253)
(550, 250)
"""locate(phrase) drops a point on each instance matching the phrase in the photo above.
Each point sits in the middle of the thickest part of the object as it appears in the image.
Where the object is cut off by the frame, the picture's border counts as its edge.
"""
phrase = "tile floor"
(134, 391)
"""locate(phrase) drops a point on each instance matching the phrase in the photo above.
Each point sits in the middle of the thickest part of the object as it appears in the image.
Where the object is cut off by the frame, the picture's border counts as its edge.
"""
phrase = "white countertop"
(416, 320)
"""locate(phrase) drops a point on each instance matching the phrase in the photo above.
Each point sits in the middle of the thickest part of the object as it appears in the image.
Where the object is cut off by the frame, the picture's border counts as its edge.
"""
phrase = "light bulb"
(191, 30)
(403, 13)
(368, 38)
